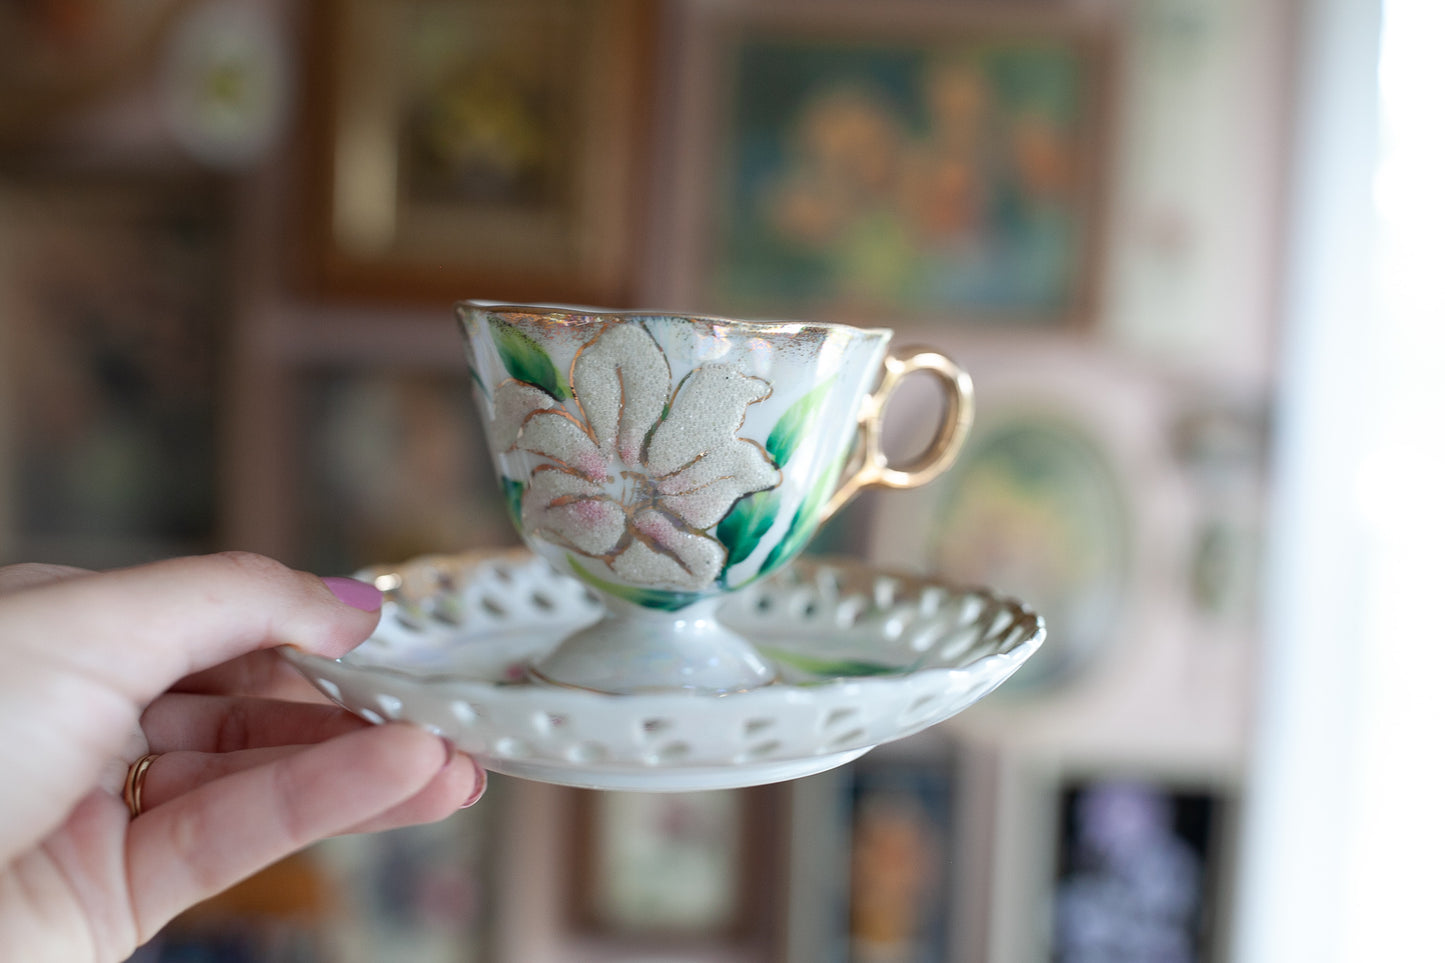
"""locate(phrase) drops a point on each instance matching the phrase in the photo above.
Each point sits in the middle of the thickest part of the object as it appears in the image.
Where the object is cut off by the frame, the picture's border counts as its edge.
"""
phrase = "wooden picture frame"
(57, 59)
(888, 163)
(676, 870)
(478, 149)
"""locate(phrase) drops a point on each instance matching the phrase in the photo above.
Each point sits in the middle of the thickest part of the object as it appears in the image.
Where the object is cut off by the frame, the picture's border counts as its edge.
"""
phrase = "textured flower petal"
(702, 493)
(705, 414)
(664, 556)
(621, 379)
(572, 511)
(548, 485)
(554, 434)
(512, 403)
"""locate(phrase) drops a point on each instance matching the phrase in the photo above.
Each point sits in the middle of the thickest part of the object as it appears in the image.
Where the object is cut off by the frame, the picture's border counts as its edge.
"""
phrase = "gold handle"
(868, 467)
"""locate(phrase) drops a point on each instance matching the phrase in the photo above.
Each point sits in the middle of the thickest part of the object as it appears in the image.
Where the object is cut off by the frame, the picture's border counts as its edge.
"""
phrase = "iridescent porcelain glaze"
(665, 460)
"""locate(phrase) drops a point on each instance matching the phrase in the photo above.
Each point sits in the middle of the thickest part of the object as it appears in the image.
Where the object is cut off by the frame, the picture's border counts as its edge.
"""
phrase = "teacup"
(665, 460)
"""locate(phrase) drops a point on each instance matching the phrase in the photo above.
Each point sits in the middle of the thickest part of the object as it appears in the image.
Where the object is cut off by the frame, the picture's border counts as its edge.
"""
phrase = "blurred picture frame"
(1223, 443)
(908, 161)
(668, 871)
(455, 156)
(436, 892)
(902, 831)
(1120, 859)
(60, 58)
(880, 864)
(1037, 506)
(1066, 495)
(392, 467)
(116, 318)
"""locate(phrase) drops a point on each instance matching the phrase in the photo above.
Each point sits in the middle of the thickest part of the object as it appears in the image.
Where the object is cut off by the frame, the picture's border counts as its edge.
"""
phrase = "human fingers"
(210, 838)
(171, 775)
(460, 784)
(253, 674)
(29, 574)
(221, 724)
(84, 653)
(174, 618)
(200, 738)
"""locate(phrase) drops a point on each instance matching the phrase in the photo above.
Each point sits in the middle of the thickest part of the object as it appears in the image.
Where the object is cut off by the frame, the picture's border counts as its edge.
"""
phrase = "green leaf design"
(477, 383)
(745, 525)
(834, 668)
(660, 599)
(805, 521)
(512, 490)
(797, 422)
(528, 361)
(752, 517)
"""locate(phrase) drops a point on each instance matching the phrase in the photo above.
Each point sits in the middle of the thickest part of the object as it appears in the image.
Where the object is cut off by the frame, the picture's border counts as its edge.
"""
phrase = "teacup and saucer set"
(659, 633)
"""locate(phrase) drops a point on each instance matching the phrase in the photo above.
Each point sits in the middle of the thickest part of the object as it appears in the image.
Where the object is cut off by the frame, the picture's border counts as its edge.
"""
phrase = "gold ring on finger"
(135, 782)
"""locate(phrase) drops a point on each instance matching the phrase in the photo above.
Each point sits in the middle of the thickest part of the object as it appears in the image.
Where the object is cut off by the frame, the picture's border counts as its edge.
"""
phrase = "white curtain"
(1344, 831)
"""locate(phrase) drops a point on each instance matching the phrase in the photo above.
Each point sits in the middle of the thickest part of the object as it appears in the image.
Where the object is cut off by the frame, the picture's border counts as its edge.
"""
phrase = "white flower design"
(640, 473)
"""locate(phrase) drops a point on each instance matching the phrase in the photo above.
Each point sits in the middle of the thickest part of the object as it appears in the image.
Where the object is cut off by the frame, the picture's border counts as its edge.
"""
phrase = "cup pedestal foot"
(628, 652)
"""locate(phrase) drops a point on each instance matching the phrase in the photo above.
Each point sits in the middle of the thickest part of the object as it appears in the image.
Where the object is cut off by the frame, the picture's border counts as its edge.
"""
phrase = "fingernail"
(357, 594)
(481, 787)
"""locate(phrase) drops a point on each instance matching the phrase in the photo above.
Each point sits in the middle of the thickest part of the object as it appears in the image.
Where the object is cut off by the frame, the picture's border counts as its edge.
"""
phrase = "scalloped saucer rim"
(868, 657)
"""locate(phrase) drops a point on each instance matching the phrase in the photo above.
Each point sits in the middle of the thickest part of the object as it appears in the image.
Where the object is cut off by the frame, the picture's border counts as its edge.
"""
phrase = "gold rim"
(760, 324)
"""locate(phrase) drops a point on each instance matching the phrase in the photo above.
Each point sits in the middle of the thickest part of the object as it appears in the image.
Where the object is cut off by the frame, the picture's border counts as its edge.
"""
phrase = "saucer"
(864, 658)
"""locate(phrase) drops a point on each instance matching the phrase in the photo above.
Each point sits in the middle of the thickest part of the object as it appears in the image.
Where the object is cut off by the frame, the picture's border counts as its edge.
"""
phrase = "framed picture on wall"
(1037, 506)
(1118, 861)
(900, 161)
(115, 293)
(902, 835)
(393, 467)
(1224, 442)
(878, 868)
(56, 58)
(479, 148)
(1066, 495)
(435, 892)
(675, 869)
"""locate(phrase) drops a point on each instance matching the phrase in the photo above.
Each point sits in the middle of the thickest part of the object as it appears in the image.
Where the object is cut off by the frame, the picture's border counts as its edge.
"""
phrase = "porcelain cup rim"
(768, 325)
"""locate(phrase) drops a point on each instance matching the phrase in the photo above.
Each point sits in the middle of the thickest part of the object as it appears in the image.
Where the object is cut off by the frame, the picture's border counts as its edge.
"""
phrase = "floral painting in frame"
(907, 161)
